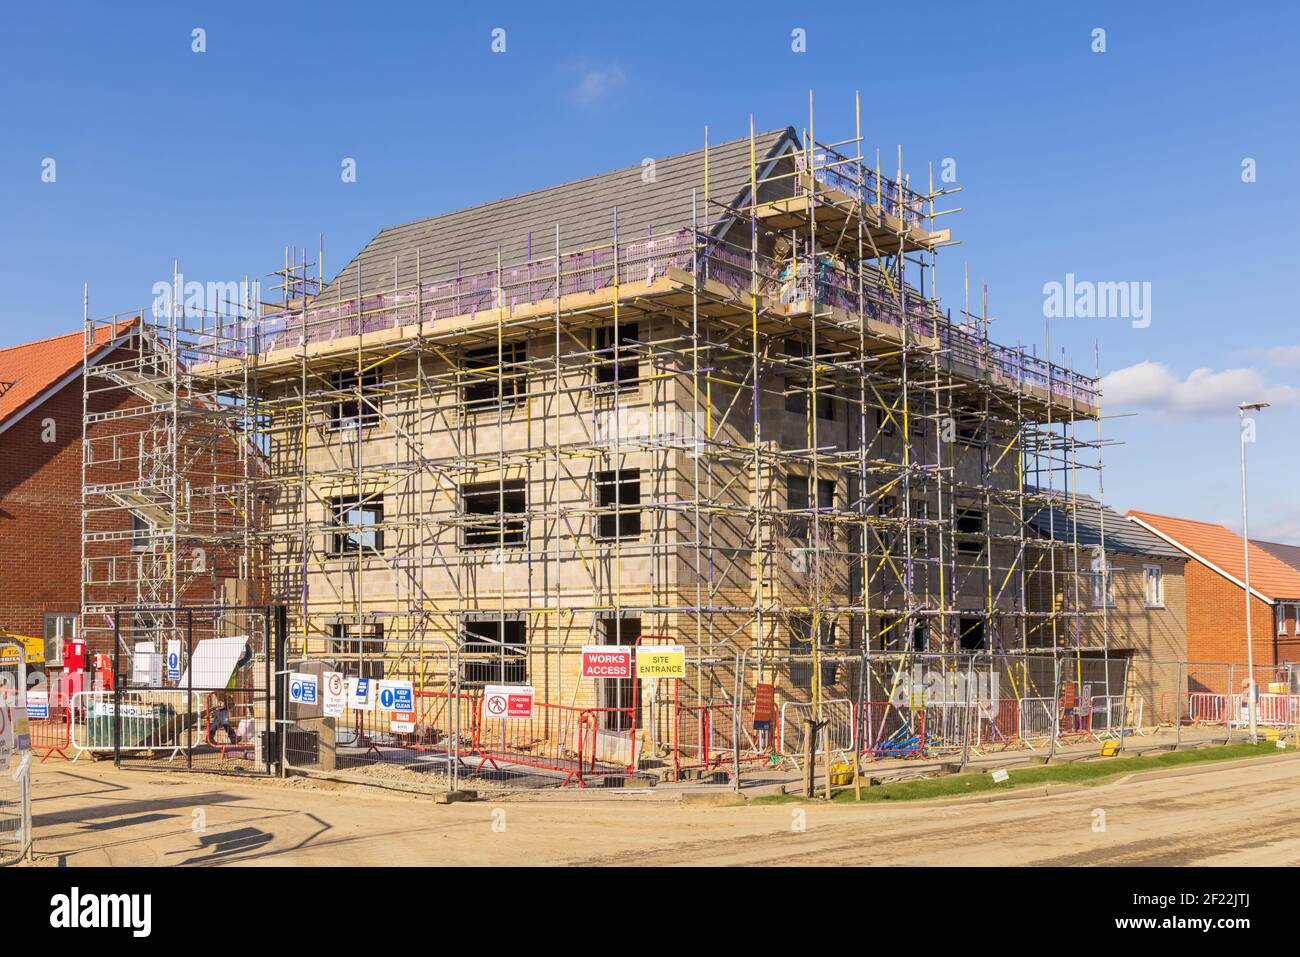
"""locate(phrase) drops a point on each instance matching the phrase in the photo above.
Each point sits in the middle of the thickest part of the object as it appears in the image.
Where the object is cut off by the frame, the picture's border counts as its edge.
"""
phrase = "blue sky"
(1117, 166)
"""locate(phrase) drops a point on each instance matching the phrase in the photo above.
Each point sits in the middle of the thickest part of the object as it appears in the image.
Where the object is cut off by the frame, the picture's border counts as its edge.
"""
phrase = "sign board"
(213, 661)
(508, 701)
(146, 665)
(302, 688)
(764, 705)
(173, 660)
(334, 693)
(1067, 695)
(38, 705)
(395, 696)
(361, 694)
(606, 661)
(661, 661)
(106, 709)
(402, 722)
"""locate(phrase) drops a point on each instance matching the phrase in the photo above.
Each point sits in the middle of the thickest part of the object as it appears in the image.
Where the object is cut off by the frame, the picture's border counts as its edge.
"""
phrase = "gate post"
(194, 713)
(737, 722)
(278, 728)
(1055, 723)
(117, 687)
(1227, 704)
(1180, 679)
(1123, 701)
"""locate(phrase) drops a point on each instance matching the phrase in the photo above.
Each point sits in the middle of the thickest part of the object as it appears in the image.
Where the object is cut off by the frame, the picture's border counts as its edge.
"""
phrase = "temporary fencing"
(202, 689)
(15, 757)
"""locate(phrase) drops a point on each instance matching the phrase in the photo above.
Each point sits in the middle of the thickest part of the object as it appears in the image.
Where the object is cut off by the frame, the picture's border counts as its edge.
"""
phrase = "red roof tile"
(28, 371)
(1214, 544)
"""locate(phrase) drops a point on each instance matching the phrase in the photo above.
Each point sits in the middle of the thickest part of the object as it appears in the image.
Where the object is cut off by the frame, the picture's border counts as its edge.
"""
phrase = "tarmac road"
(1242, 813)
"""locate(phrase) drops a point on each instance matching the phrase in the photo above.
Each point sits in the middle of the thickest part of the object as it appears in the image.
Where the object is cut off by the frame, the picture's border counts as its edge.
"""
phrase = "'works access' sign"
(606, 661)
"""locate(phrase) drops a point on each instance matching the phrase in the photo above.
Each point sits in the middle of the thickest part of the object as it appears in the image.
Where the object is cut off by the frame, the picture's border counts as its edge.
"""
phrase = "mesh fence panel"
(15, 757)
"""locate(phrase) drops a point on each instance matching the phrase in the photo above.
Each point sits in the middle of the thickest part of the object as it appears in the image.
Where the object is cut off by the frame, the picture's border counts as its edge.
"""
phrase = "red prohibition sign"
(496, 704)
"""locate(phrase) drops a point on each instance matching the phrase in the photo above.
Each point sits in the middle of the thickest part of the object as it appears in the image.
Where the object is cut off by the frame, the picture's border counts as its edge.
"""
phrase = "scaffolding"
(758, 430)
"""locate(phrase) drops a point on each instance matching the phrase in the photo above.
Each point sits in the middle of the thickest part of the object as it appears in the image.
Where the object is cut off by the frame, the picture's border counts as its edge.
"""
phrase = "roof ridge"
(65, 335)
(37, 342)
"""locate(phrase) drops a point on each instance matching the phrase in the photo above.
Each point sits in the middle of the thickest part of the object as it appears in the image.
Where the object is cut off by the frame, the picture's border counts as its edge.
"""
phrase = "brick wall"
(40, 514)
(1216, 620)
(40, 508)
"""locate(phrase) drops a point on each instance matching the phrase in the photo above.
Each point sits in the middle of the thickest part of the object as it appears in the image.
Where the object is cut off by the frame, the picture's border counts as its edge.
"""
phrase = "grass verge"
(1079, 772)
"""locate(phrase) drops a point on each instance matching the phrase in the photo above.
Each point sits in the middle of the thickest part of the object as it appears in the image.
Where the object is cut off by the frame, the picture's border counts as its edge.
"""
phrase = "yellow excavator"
(33, 649)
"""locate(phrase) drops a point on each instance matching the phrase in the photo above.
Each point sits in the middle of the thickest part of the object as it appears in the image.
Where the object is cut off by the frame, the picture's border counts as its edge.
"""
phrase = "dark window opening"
(796, 500)
(826, 494)
(618, 495)
(617, 363)
(825, 400)
(797, 489)
(970, 435)
(969, 522)
(494, 652)
(489, 383)
(354, 521)
(502, 504)
(141, 533)
(898, 633)
(358, 649)
(796, 395)
(358, 396)
(798, 387)
(972, 633)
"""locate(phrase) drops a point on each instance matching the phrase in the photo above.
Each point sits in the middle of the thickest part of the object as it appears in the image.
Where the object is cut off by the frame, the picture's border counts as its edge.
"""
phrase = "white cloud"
(598, 84)
(1151, 385)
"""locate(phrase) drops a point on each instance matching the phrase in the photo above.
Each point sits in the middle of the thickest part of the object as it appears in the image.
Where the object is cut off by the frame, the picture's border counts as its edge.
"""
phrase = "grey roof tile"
(466, 240)
(1093, 520)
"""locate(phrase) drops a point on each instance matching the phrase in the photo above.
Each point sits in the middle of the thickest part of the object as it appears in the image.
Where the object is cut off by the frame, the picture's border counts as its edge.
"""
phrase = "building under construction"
(711, 397)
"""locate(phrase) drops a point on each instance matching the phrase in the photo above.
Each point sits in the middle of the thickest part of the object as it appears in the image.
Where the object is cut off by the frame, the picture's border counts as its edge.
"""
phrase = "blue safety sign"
(302, 688)
(396, 696)
(38, 705)
(173, 661)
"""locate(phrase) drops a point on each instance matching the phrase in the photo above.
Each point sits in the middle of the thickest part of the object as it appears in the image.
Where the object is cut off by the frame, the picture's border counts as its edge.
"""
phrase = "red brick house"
(1215, 585)
(40, 481)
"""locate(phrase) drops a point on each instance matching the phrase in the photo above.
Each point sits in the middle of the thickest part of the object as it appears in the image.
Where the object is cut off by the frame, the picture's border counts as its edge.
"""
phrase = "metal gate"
(193, 689)
(15, 757)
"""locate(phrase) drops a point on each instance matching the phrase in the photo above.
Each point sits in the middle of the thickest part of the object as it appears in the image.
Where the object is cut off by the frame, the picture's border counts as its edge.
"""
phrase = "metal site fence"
(190, 688)
(1208, 701)
(226, 690)
(15, 757)
(354, 711)
(501, 717)
(839, 710)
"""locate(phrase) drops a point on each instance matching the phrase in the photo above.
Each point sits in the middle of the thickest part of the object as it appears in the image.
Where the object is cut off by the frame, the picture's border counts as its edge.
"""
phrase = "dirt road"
(1242, 813)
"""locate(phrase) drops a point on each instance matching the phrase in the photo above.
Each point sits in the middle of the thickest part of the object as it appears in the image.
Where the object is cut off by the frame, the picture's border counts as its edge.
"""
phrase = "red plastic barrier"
(52, 735)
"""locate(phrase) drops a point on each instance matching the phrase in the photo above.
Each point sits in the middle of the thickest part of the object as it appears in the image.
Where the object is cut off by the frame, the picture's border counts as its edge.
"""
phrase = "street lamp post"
(1251, 696)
